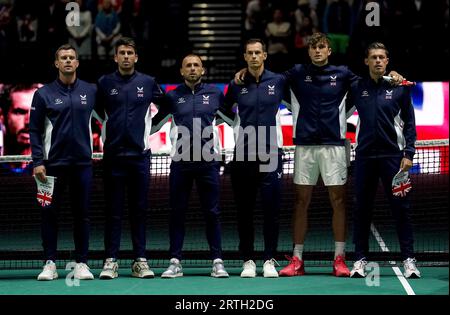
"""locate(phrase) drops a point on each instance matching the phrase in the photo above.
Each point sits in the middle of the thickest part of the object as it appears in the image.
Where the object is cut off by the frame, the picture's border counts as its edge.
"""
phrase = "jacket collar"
(119, 76)
(67, 87)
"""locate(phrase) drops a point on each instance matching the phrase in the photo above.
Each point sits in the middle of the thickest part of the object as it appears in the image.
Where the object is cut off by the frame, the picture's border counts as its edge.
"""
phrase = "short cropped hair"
(126, 41)
(65, 47)
(254, 41)
(376, 45)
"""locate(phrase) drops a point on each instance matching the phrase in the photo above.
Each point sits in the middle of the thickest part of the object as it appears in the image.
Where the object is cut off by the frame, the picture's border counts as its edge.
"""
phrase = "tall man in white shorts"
(318, 93)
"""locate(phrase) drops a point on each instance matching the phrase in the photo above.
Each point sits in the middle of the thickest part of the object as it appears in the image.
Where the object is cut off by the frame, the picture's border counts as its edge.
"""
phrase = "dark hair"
(126, 41)
(65, 47)
(254, 41)
(318, 38)
(376, 45)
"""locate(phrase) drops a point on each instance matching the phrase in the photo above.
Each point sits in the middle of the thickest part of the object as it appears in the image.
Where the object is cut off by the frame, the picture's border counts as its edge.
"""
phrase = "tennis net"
(20, 242)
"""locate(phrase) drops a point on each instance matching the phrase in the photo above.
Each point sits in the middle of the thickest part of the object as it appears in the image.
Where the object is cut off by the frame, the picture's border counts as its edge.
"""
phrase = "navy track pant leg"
(244, 180)
(180, 183)
(208, 186)
(400, 207)
(366, 183)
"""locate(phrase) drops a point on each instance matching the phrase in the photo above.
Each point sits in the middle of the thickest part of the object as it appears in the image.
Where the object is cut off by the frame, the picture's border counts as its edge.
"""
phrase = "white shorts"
(329, 161)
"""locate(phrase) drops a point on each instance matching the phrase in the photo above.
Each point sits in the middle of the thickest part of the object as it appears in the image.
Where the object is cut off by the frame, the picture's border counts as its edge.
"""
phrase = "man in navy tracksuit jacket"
(124, 99)
(257, 157)
(318, 93)
(61, 144)
(385, 140)
(195, 157)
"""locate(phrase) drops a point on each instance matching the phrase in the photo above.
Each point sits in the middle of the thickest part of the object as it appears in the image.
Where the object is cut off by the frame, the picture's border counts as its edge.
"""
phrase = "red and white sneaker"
(340, 268)
(294, 268)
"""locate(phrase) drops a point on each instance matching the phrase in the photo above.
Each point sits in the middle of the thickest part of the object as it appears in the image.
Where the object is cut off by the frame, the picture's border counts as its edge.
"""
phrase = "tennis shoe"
(48, 272)
(140, 269)
(340, 269)
(218, 269)
(110, 269)
(411, 270)
(295, 267)
(174, 270)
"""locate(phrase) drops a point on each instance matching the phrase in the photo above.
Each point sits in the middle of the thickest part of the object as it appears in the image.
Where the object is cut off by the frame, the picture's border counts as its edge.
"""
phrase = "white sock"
(298, 251)
(339, 249)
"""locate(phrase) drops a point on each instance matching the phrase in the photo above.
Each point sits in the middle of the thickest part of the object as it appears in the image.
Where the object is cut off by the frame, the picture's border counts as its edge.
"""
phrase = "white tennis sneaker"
(82, 272)
(411, 270)
(269, 270)
(358, 270)
(174, 270)
(110, 269)
(249, 269)
(218, 269)
(140, 269)
(48, 272)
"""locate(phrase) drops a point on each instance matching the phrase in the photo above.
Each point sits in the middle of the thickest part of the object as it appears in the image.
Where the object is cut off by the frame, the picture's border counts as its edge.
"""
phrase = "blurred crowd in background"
(30, 31)
(415, 31)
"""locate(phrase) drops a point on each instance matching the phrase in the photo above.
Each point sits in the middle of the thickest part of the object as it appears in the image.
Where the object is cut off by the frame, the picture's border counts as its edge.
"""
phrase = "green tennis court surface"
(197, 281)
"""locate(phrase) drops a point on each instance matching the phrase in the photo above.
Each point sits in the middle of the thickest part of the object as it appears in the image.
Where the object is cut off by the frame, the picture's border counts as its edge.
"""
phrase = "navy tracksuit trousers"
(126, 174)
(206, 177)
(79, 180)
(246, 180)
(368, 173)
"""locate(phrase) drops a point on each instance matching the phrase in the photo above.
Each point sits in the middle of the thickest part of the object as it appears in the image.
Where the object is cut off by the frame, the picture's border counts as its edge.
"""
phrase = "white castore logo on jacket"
(271, 89)
(205, 99)
(333, 80)
(140, 91)
(389, 94)
(83, 99)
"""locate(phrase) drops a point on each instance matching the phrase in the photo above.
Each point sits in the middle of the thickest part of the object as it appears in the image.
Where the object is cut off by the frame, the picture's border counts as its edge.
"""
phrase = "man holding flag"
(385, 139)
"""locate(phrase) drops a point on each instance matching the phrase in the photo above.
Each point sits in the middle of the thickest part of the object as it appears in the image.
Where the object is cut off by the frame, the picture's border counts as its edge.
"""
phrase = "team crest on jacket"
(333, 80)
(181, 100)
(83, 99)
(389, 94)
(244, 91)
(364, 93)
(271, 89)
(308, 78)
(113, 92)
(58, 101)
(205, 99)
(140, 91)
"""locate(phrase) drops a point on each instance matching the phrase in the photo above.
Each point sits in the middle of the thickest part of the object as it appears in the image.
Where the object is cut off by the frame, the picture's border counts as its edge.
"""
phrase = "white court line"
(397, 271)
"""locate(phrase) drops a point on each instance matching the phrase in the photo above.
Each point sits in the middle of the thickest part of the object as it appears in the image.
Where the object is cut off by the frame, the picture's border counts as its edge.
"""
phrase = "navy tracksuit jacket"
(195, 112)
(318, 97)
(61, 140)
(257, 108)
(124, 101)
(385, 134)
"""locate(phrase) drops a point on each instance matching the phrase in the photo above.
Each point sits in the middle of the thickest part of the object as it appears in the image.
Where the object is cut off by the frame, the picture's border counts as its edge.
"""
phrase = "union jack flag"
(402, 188)
(44, 198)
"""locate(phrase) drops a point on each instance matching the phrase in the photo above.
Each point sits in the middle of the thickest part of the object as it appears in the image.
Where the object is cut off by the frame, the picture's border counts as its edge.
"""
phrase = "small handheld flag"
(45, 190)
(401, 184)
(404, 82)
